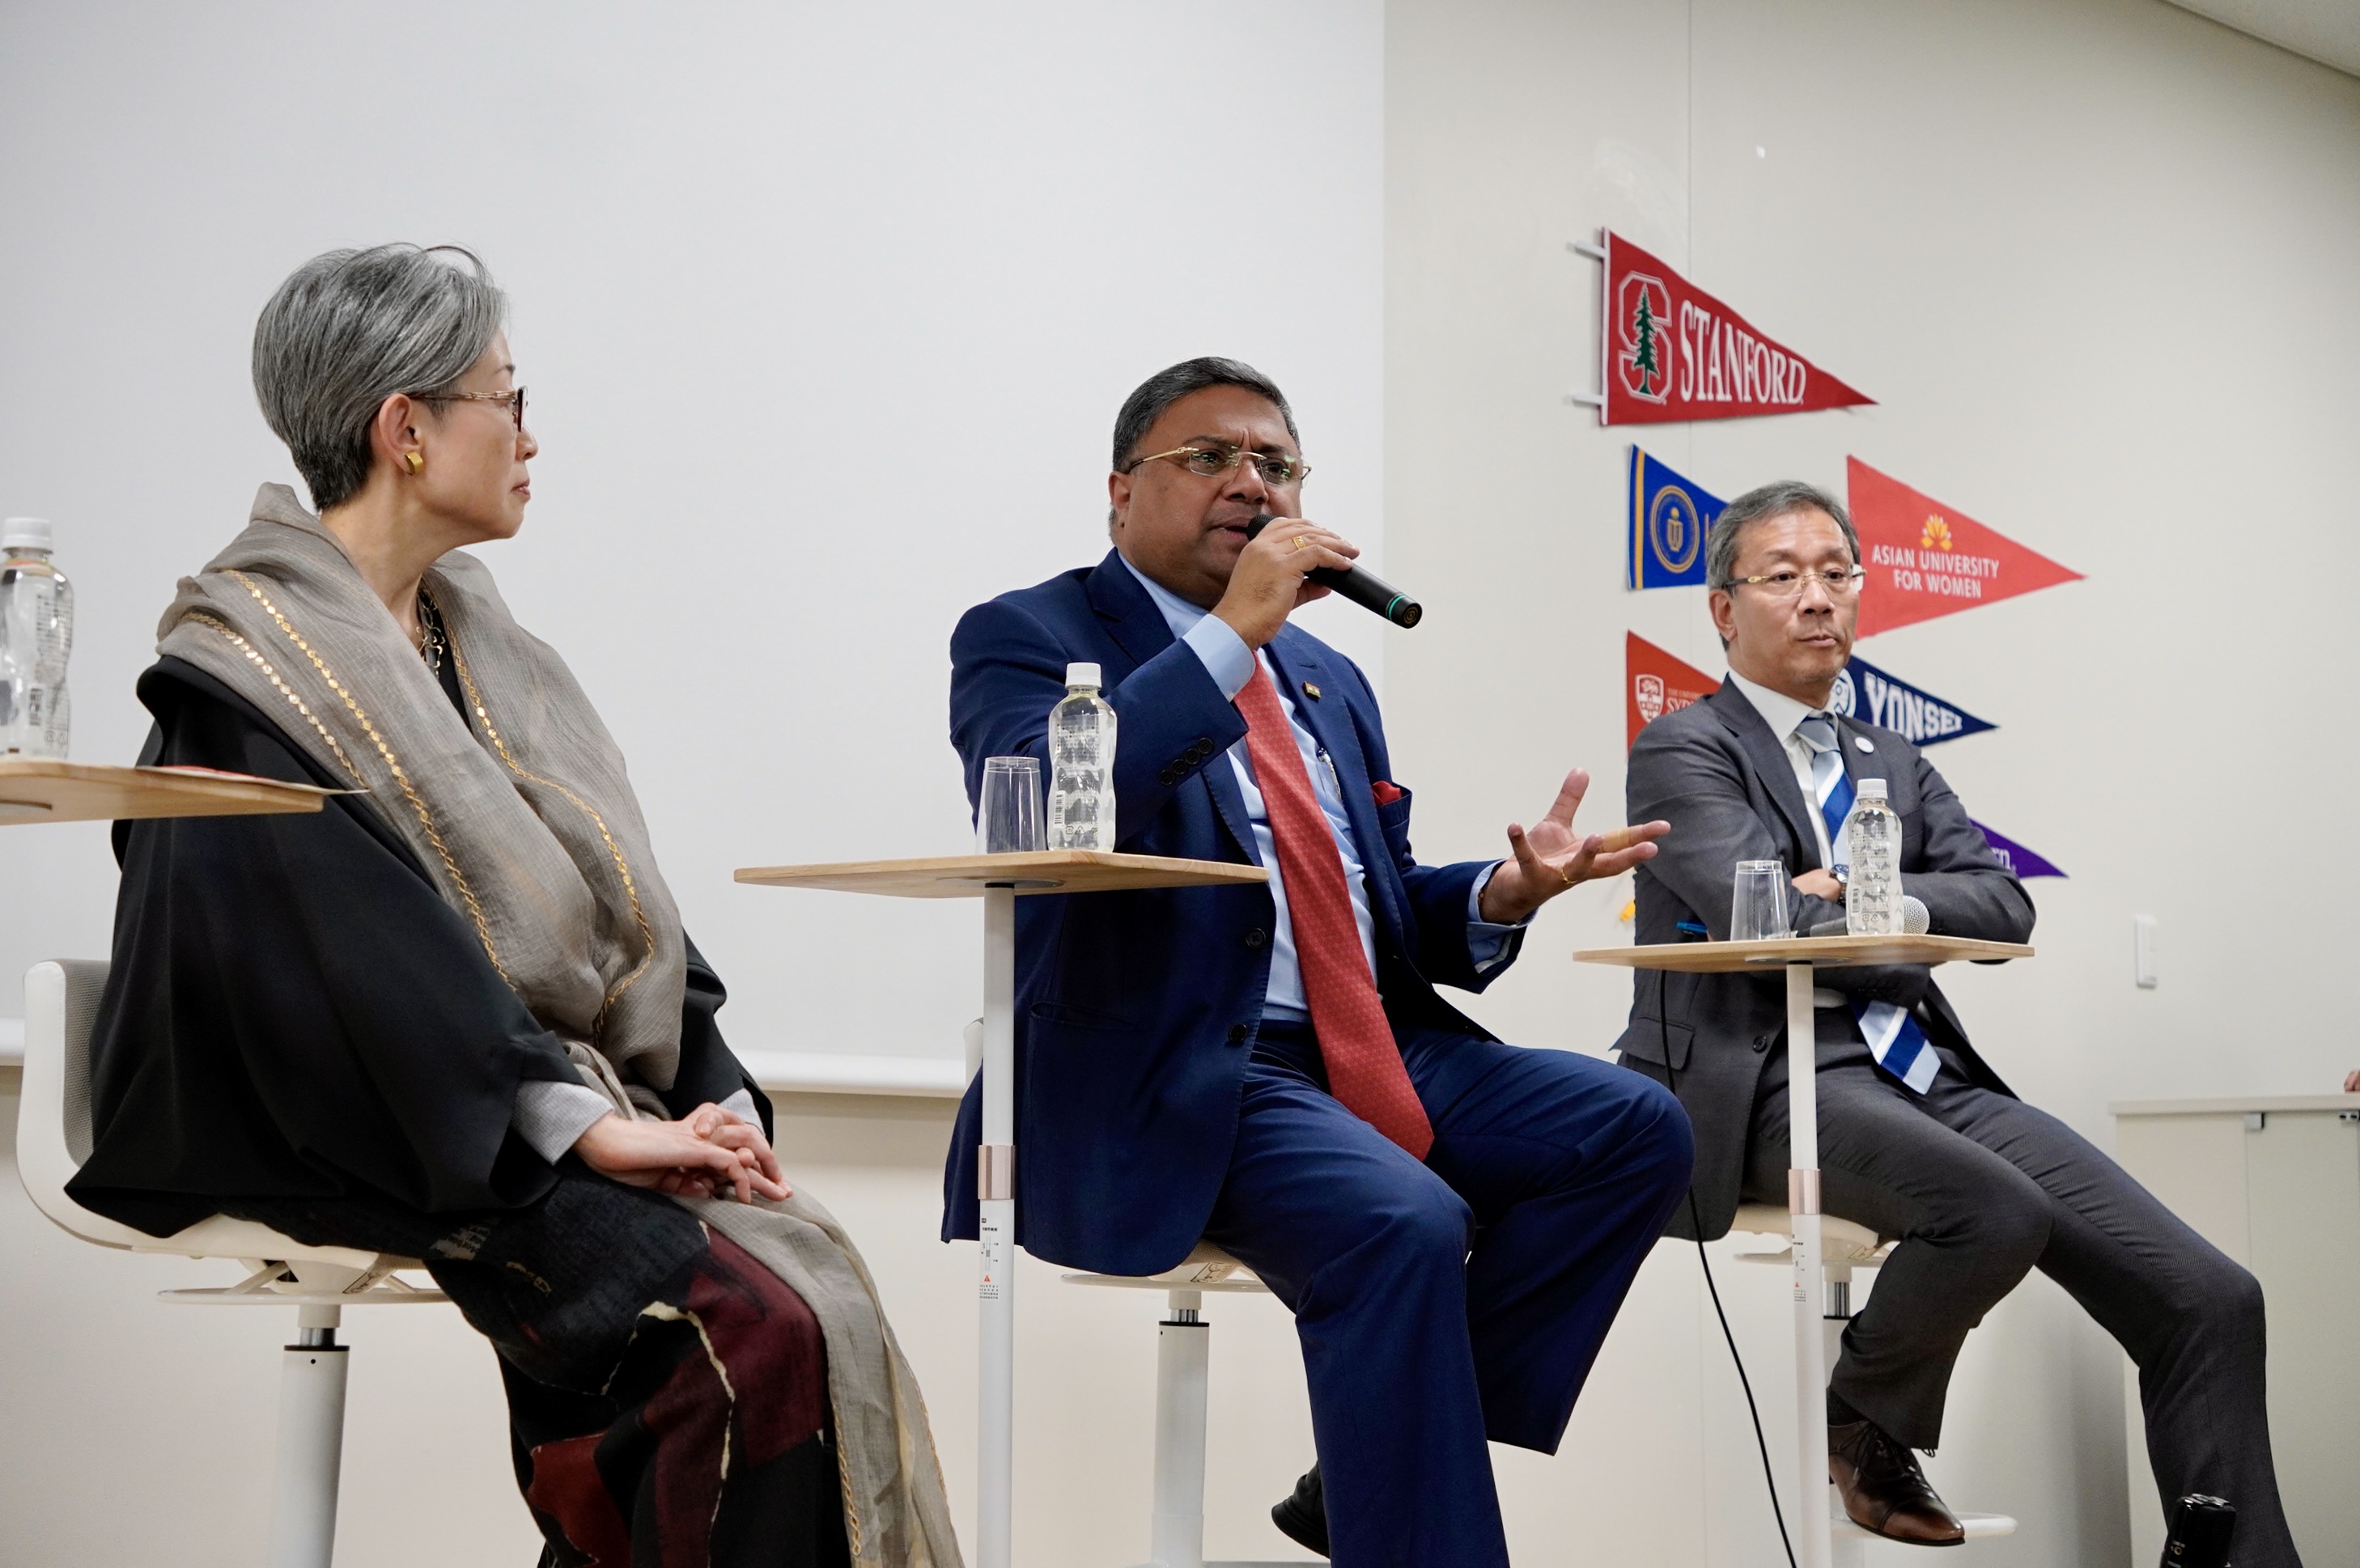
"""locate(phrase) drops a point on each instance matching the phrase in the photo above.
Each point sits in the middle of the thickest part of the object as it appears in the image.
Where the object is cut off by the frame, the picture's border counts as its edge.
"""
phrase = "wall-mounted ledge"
(817, 1073)
(787, 1071)
(2235, 1105)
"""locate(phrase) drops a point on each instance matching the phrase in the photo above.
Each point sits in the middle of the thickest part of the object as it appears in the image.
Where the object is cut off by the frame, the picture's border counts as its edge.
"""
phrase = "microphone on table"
(1363, 587)
(1914, 920)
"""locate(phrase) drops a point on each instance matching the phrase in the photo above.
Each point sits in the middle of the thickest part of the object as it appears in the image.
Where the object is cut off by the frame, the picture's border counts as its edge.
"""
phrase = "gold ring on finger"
(1303, 541)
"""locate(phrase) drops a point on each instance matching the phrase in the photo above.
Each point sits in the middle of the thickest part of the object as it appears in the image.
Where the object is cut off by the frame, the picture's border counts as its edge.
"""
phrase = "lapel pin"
(1863, 742)
(1310, 691)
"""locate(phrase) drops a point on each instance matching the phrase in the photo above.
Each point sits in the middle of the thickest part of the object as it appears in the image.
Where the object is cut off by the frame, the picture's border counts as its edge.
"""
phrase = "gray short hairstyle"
(1165, 388)
(1760, 504)
(348, 329)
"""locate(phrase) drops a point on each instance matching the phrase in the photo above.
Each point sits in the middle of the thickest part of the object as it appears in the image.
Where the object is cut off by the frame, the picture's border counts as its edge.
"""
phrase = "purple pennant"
(2016, 857)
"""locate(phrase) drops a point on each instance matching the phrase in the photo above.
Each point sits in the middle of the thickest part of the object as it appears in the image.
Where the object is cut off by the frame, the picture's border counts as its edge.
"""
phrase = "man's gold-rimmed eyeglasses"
(1276, 468)
(1840, 583)
(515, 400)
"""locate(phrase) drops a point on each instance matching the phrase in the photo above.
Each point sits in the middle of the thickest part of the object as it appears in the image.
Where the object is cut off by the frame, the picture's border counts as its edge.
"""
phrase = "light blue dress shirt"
(1230, 663)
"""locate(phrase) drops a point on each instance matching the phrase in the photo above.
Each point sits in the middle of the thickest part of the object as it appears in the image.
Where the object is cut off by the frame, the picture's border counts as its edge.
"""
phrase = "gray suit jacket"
(1717, 774)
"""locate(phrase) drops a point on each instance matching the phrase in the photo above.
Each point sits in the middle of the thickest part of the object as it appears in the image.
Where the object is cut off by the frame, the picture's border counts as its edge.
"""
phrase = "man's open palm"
(1551, 857)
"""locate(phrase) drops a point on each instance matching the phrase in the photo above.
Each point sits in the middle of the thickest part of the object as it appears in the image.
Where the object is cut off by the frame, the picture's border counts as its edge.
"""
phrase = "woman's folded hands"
(711, 1152)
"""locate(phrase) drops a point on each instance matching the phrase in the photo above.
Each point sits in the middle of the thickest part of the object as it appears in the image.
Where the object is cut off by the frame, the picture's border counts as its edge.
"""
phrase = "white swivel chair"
(1184, 1351)
(53, 1137)
(1182, 1358)
(1844, 1247)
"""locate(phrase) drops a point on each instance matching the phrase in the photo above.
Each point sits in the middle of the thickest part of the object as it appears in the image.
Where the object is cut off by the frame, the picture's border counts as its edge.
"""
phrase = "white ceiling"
(2326, 30)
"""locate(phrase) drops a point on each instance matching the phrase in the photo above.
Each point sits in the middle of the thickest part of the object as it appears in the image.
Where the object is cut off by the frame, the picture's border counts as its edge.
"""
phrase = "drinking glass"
(1757, 909)
(1009, 821)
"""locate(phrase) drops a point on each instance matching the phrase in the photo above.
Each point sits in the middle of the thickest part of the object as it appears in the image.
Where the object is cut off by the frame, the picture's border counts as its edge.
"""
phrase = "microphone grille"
(1914, 918)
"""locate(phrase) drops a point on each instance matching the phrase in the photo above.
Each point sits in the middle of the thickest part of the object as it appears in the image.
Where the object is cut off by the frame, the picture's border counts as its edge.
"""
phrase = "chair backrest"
(53, 1115)
(53, 1133)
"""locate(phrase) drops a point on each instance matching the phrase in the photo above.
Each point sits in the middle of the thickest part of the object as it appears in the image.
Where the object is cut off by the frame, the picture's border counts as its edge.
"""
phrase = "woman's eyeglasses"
(515, 400)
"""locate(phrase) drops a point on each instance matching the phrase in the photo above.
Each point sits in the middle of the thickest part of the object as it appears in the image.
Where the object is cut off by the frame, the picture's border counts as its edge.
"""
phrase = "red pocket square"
(1385, 791)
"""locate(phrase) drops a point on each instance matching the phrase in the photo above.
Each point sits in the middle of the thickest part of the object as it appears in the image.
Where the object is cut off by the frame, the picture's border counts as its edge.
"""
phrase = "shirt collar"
(1780, 712)
(1178, 614)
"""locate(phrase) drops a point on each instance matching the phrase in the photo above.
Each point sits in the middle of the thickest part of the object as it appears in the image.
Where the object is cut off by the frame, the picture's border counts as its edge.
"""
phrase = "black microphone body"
(1362, 586)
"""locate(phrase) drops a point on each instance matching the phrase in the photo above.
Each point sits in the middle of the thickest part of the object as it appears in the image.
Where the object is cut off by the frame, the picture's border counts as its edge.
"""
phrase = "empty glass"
(1757, 908)
(1009, 819)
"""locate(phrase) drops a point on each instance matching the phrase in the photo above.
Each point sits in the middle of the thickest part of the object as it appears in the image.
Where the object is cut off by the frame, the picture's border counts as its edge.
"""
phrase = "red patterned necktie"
(1364, 1065)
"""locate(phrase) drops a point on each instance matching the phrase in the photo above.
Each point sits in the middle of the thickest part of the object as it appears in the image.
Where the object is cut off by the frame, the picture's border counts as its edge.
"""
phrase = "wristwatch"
(1841, 872)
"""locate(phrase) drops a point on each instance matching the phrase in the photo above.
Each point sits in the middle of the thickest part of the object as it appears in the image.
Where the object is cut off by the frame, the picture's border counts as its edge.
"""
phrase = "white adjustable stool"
(53, 1139)
(1183, 1353)
(1844, 1247)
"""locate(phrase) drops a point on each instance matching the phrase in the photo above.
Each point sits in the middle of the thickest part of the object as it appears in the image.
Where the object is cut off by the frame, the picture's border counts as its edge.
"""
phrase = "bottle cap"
(25, 533)
(1869, 789)
(1082, 675)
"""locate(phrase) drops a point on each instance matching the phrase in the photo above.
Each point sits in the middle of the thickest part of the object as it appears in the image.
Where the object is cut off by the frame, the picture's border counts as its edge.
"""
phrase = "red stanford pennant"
(1926, 560)
(1655, 683)
(1673, 352)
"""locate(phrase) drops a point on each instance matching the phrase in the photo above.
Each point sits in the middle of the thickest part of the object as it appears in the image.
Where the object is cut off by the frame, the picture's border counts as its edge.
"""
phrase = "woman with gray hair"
(454, 1015)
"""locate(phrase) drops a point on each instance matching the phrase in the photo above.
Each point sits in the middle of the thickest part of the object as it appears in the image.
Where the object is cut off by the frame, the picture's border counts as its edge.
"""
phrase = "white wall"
(825, 311)
(2096, 262)
(785, 280)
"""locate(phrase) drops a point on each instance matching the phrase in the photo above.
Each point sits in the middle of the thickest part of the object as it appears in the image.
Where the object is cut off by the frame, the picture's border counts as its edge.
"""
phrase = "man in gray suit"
(1918, 1138)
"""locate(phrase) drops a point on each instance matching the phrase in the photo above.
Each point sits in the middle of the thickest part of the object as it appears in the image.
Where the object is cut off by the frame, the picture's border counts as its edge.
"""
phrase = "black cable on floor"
(1769, 1477)
(1696, 1225)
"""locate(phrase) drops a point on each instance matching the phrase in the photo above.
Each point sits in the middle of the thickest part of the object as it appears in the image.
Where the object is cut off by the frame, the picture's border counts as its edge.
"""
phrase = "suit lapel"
(1138, 628)
(1770, 764)
(1128, 615)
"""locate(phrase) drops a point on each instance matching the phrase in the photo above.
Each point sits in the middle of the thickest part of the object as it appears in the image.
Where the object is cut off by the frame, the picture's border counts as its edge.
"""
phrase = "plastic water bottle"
(1081, 765)
(36, 636)
(1873, 843)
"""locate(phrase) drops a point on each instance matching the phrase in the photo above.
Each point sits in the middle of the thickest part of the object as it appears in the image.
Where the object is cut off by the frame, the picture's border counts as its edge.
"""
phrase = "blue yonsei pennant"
(1863, 691)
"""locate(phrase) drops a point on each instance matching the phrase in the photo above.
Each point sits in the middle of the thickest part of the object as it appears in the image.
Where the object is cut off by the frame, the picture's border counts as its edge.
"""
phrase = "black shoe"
(1302, 1517)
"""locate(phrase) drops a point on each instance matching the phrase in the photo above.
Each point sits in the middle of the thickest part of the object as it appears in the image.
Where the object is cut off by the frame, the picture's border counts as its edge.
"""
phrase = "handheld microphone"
(2200, 1528)
(1363, 587)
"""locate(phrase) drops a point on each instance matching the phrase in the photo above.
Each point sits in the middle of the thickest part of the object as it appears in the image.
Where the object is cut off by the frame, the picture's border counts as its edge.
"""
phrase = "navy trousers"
(1450, 1301)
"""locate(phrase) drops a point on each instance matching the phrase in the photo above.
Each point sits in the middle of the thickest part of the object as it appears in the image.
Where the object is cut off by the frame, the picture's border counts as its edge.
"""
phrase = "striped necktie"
(1828, 781)
(1894, 1038)
(1356, 1040)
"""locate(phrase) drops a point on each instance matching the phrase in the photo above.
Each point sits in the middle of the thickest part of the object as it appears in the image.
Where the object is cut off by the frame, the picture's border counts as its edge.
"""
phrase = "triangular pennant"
(2016, 857)
(1926, 560)
(1673, 352)
(1656, 683)
(1863, 691)
(1669, 515)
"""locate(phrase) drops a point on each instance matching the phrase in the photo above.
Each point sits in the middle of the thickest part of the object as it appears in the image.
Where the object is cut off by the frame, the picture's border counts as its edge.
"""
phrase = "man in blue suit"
(1453, 1221)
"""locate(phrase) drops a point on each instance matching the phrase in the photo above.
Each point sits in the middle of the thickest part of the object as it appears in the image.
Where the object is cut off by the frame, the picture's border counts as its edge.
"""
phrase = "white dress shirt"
(1230, 663)
(1784, 715)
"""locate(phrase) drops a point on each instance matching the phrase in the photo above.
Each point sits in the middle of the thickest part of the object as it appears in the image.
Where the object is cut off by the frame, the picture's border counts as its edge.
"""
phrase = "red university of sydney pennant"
(1926, 560)
(1656, 683)
(1673, 352)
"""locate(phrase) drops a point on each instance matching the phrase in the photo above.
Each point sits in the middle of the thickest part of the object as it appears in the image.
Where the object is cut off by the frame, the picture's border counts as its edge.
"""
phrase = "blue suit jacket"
(1135, 1012)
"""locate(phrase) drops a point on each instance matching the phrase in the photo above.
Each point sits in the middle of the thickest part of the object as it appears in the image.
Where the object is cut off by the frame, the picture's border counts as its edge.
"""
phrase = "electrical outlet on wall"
(2143, 950)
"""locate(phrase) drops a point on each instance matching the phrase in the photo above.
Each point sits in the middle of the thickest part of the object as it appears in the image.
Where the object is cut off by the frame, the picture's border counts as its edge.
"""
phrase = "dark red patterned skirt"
(667, 1394)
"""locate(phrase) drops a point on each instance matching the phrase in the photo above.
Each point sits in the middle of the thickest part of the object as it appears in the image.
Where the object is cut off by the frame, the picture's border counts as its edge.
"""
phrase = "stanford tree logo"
(1645, 361)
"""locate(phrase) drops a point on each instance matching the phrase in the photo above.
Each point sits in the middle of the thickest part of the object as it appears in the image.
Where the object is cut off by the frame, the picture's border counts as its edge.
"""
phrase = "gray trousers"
(1980, 1188)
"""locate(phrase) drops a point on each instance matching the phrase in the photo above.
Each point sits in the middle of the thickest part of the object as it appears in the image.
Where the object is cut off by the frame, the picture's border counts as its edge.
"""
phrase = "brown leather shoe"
(1884, 1490)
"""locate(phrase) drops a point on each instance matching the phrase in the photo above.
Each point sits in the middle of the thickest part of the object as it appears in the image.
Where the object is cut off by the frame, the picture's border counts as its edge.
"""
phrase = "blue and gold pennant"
(1669, 515)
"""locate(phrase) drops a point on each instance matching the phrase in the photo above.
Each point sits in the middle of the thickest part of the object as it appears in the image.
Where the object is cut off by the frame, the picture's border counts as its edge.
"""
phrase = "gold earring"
(417, 463)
